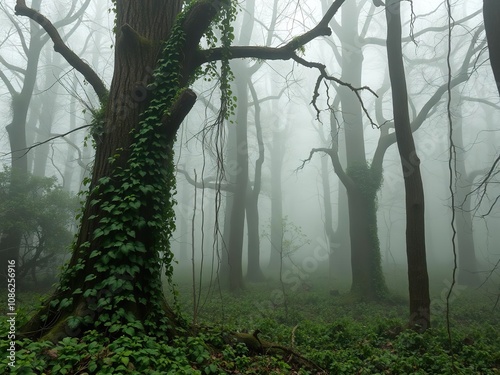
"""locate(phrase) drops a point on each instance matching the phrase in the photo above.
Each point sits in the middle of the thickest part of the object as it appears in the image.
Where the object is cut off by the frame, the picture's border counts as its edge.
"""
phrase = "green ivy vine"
(223, 24)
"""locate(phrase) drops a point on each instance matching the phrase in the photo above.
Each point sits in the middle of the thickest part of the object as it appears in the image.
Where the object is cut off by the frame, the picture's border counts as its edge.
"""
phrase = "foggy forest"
(250, 187)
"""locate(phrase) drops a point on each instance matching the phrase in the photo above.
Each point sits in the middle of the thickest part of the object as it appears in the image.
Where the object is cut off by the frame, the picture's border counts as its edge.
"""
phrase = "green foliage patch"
(340, 337)
(44, 213)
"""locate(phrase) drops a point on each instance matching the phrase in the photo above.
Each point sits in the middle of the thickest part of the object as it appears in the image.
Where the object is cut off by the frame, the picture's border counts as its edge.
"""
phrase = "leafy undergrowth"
(338, 335)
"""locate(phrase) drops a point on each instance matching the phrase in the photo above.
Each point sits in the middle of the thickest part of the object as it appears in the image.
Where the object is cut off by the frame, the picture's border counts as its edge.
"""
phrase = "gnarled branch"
(59, 46)
(337, 166)
(285, 52)
(207, 183)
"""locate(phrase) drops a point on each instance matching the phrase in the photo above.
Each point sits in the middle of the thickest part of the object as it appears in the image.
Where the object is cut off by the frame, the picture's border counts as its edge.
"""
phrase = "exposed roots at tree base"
(54, 325)
(258, 346)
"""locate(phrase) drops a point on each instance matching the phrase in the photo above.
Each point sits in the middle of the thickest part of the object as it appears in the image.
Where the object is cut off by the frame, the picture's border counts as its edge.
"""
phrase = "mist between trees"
(224, 146)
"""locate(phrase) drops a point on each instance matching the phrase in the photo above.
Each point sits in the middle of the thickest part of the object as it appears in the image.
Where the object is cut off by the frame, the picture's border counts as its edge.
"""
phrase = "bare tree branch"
(28, 149)
(19, 31)
(11, 66)
(206, 183)
(482, 101)
(267, 98)
(381, 42)
(324, 76)
(285, 52)
(79, 159)
(482, 188)
(337, 166)
(7, 83)
(59, 46)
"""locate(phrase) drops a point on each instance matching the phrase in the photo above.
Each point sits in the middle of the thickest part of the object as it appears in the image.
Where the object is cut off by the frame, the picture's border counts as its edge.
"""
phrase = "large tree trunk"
(368, 281)
(135, 59)
(367, 278)
(415, 223)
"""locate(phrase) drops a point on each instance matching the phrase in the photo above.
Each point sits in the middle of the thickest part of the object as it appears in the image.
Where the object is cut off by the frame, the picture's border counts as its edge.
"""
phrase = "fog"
(295, 111)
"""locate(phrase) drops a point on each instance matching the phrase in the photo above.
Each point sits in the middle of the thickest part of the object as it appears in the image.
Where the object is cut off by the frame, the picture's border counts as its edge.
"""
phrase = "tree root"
(259, 346)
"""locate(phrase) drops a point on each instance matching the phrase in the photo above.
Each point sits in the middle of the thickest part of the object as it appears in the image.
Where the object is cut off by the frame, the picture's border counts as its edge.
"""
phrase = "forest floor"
(313, 330)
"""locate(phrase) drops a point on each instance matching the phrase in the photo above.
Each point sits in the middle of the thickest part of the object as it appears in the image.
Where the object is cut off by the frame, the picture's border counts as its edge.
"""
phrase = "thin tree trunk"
(230, 157)
(277, 154)
(328, 225)
(252, 209)
(241, 184)
(415, 219)
(69, 166)
(467, 263)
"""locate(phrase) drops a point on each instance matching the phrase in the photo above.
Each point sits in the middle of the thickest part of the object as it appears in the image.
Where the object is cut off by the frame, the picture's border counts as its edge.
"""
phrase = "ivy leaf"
(114, 328)
(126, 360)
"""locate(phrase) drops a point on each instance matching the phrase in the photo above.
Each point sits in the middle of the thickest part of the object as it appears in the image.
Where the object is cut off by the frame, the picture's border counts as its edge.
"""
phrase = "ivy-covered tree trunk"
(368, 281)
(113, 280)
